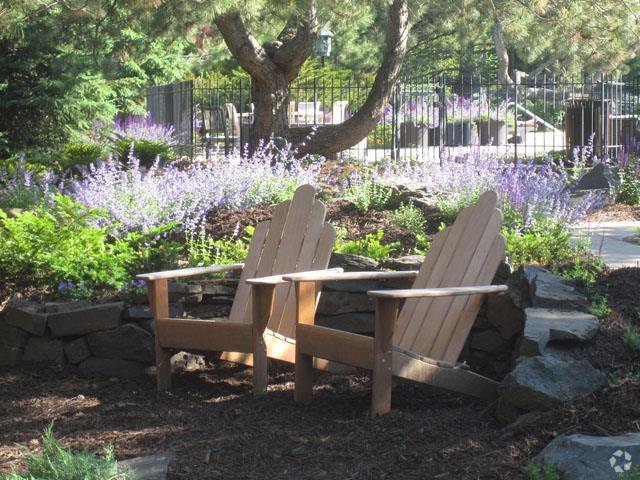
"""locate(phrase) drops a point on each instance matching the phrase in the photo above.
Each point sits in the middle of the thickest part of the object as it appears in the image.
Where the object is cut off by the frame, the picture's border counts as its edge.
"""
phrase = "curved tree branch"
(297, 41)
(335, 138)
(249, 54)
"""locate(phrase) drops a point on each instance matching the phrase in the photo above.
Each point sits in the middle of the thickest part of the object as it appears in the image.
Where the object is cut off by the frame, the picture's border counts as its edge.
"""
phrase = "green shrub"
(547, 471)
(203, 250)
(56, 463)
(61, 243)
(549, 248)
(600, 306)
(631, 337)
(629, 191)
(80, 154)
(144, 150)
(370, 195)
(369, 246)
(422, 245)
(583, 268)
(410, 218)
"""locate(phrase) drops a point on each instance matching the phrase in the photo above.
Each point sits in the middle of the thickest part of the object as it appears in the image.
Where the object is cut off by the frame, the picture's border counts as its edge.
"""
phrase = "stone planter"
(492, 132)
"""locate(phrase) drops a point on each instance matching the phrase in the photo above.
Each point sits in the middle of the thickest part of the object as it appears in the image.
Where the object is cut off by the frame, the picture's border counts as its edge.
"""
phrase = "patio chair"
(262, 319)
(423, 340)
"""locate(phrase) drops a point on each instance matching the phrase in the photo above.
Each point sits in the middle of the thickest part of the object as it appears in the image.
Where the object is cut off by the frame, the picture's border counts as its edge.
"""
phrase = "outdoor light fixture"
(323, 43)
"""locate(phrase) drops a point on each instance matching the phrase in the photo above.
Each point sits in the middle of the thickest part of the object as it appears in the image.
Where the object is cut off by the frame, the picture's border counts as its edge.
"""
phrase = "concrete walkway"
(607, 240)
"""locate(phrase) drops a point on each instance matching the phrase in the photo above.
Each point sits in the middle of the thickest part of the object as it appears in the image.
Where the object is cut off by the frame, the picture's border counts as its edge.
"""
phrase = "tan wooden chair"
(262, 319)
(421, 341)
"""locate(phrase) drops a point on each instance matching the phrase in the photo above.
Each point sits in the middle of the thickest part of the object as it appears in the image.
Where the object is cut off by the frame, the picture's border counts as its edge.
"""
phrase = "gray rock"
(542, 289)
(352, 263)
(59, 307)
(43, 350)
(408, 262)
(488, 341)
(504, 315)
(599, 177)
(128, 342)
(541, 383)
(112, 367)
(209, 311)
(85, 320)
(151, 467)
(188, 361)
(27, 316)
(10, 356)
(149, 326)
(77, 350)
(350, 322)
(218, 290)
(335, 303)
(143, 312)
(185, 292)
(585, 457)
(544, 325)
(12, 336)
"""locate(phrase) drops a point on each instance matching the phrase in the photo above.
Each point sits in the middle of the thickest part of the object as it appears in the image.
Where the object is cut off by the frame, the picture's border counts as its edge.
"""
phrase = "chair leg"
(385, 317)
(163, 368)
(304, 377)
(260, 370)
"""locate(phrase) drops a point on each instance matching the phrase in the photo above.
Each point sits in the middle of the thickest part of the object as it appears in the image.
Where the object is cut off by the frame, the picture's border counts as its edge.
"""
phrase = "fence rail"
(426, 117)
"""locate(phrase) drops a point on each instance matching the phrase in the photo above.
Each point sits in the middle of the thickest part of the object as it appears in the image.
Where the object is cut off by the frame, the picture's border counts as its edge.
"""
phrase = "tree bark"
(331, 139)
(502, 54)
(272, 66)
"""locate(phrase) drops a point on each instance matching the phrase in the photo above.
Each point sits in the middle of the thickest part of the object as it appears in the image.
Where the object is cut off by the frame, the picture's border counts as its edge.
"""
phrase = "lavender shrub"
(142, 199)
(529, 192)
(22, 188)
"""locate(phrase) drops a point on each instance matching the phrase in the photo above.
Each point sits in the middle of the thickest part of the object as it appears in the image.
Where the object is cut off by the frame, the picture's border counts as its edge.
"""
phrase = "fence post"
(515, 118)
(603, 119)
(395, 144)
(442, 120)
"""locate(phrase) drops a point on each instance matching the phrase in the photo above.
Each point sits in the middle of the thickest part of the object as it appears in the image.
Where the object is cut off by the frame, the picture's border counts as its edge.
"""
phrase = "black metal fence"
(426, 118)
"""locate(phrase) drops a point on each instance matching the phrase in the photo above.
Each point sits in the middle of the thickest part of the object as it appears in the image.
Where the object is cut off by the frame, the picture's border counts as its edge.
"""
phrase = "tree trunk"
(502, 54)
(271, 111)
(331, 139)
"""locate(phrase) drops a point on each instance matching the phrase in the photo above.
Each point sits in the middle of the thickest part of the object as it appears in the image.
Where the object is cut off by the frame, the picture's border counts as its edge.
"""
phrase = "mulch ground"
(618, 212)
(218, 430)
(228, 222)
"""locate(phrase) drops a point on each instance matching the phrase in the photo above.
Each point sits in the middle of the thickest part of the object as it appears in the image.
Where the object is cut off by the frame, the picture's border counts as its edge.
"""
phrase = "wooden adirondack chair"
(423, 340)
(262, 318)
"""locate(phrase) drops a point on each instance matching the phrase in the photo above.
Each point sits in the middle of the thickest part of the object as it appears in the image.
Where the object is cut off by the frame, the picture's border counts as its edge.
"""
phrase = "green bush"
(600, 306)
(56, 463)
(547, 471)
(370, 195)
(61, 243)
(549, 248)
(80, 154)
(202, 250)
(410, 218)
(144, 150)
(629, 191)
(369, 246)
(631, 337)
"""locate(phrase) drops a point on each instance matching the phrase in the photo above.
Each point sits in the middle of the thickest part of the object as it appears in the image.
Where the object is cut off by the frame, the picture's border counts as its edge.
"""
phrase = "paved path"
(607, 239)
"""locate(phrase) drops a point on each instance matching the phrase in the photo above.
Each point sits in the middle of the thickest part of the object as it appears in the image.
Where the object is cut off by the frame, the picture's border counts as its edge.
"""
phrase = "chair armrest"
(190, 272)
(330, 275)
(437, 292)
(278, 279)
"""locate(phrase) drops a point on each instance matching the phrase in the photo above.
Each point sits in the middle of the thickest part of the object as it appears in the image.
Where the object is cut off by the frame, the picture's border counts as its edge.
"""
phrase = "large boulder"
(112, 367)
(26, 316)
(353, 263)
(542, 383)
(349, 322)
(542, 289)
(336, 303)
(128, 342)
(85, 319)
(601, 176)
(585, 457)
(77, 350)
(544, 325)
(45, 350)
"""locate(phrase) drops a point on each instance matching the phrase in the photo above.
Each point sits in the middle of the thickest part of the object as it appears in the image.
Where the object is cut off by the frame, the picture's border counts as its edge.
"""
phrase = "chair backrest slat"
(296, 239)
(465, 254)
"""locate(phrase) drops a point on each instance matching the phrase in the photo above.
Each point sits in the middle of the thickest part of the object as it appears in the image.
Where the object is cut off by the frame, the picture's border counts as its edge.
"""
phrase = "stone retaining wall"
(115, 339)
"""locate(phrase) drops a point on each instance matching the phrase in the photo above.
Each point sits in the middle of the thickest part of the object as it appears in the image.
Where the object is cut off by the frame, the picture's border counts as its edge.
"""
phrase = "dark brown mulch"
(227, 222)
(618, 212)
